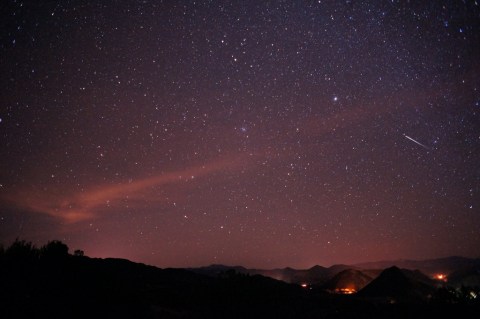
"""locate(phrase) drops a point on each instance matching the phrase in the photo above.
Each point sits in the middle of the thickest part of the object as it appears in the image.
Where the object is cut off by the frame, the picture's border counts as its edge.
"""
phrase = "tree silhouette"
(22, 251)
(2, 254)
(78, 253)
(54, 250)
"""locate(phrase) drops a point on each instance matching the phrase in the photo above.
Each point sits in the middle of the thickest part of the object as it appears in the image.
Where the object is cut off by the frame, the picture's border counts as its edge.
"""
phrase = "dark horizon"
(259, 134)
(388, 261)
(49, 282)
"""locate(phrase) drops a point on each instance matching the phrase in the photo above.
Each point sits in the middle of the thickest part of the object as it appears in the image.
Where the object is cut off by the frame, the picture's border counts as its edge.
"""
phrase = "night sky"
(259, 133)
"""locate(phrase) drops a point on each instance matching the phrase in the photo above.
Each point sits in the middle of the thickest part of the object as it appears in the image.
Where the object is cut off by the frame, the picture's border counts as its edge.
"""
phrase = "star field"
(266, 134)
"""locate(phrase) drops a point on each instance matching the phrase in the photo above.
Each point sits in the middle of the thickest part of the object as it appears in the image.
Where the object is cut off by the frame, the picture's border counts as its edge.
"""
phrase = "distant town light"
(345, 291)
(441, 277)
(304, 285)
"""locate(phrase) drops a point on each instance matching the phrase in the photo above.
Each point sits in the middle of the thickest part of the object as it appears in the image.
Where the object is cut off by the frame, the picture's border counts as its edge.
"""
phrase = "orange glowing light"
(345, 291)
(441, 277)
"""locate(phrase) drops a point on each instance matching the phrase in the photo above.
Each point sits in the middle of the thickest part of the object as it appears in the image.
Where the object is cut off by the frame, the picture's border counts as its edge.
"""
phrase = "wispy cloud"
(89, 204)
(86, 205)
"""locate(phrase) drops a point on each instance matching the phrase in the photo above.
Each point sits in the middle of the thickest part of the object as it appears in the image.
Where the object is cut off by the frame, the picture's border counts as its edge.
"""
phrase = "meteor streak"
(417, 142)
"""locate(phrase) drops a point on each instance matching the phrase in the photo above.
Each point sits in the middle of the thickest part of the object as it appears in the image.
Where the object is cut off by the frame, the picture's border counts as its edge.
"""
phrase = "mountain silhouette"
(51, 283)
(429, 267)
(466, 277)
(395, 284)
(347, 281)
(319, 275)
(316, 275)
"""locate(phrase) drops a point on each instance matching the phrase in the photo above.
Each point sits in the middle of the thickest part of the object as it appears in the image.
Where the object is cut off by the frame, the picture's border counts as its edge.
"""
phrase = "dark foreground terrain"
(50, 283)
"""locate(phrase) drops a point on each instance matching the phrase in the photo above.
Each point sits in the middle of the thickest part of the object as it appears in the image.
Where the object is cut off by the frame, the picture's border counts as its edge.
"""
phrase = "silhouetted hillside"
(217, 270)
(394, 284)
(428, 267)
(348, 281)
(48, 282)
(287, 274)
(466, 277)
(317, 275)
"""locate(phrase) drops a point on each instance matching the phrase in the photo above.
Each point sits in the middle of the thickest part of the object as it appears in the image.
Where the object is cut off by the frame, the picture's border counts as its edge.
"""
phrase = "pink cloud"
(81, 206)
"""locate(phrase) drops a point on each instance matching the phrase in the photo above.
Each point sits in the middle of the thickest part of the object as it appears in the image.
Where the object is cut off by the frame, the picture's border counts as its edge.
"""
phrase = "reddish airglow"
(241, 147)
